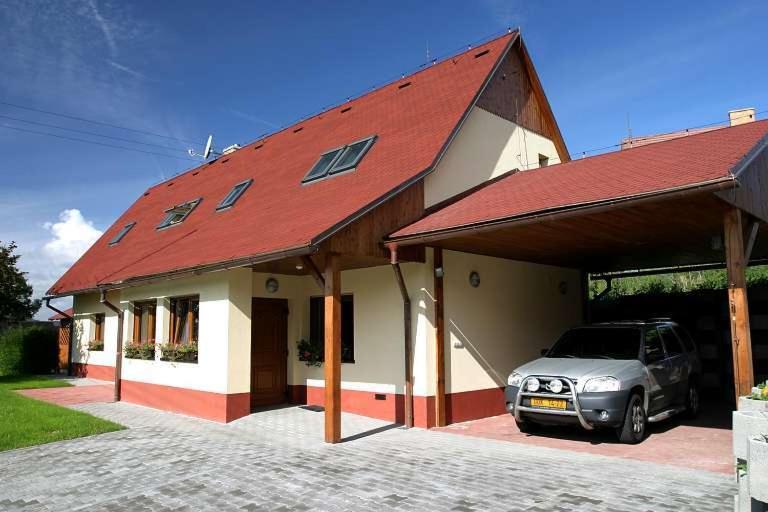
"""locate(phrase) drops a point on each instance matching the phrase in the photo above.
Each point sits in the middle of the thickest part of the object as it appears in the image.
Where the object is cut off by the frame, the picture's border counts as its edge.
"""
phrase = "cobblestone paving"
(275, 460)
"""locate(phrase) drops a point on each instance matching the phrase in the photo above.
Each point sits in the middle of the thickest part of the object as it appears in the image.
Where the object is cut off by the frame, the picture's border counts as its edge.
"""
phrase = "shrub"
(179, 353)
(28, 350)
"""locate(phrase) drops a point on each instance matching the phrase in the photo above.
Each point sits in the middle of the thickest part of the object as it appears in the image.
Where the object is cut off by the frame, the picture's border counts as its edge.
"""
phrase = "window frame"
(308, 178)
(191, 314)
(645, 346)
(121, 234)
(345, 297)
(368, 143)
(151, 321)
(669, 338)
(165, 224)
(226, 205)
(98, 326)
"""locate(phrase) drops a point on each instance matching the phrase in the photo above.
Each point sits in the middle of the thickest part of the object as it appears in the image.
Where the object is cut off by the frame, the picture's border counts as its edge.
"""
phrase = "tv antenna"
(207, 152)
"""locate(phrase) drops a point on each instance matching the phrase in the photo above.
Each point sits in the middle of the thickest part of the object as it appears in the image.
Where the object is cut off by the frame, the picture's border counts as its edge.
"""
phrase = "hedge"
(28, 350)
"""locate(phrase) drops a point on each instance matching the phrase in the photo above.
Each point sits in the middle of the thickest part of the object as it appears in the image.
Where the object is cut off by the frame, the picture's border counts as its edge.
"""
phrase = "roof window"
(234, 194)
(178, 213)
(340, 159)
(120, 234)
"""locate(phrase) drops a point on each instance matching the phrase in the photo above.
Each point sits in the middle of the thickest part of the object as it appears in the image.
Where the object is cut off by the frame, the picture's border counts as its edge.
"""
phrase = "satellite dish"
(208, 147)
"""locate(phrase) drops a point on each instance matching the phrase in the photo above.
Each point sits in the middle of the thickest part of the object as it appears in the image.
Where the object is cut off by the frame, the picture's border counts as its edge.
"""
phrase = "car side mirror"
(544, 352)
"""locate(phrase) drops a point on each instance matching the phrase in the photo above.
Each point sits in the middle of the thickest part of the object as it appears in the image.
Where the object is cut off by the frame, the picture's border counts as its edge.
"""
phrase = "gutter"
(119, 347)
(407, 332)
(563, 212)
(71, 332)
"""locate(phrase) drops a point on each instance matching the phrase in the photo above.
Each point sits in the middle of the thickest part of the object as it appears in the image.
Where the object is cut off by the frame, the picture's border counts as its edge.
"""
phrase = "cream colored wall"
(485, 147)
(85, 306)
(517, 310)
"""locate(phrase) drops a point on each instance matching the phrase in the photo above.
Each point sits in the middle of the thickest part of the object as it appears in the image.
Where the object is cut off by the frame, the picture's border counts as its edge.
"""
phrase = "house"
(383, 234)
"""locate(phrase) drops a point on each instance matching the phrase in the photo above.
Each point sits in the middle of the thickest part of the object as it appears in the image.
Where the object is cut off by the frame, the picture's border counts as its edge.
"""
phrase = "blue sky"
(239, 69)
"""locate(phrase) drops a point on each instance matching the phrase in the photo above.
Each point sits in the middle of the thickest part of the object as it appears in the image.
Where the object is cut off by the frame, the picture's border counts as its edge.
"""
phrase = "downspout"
(71, 333)
(407, 329)
(119, 348)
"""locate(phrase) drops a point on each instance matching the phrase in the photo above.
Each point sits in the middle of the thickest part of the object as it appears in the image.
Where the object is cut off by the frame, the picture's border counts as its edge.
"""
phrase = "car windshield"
(598, 343)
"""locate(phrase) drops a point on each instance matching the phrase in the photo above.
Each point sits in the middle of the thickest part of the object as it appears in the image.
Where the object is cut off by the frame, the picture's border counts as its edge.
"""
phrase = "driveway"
(275, 460)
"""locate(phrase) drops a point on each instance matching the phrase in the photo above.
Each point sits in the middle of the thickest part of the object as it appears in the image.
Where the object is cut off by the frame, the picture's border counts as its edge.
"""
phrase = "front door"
(269, 351)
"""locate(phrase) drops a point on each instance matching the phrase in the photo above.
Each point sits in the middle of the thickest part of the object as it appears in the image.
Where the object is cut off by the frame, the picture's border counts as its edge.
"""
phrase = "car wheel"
(692, 400)
(526, 427)
(635, 422)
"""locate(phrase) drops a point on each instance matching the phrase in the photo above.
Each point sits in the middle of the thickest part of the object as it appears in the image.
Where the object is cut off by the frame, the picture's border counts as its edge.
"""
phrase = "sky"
(173, 73)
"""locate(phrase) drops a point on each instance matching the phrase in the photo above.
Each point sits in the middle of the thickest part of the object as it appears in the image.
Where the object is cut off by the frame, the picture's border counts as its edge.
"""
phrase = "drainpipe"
(119, 350)
(71, 333)
(407, 329)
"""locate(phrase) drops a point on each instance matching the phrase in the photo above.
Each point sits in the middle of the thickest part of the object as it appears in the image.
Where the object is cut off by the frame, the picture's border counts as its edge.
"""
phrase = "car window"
(654, 350)
(671, 342)
(599, 343)
(685, 337)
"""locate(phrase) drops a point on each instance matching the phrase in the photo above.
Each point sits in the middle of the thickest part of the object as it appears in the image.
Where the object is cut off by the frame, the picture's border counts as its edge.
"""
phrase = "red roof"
(58, 316)
(654, 168)
(277, 213)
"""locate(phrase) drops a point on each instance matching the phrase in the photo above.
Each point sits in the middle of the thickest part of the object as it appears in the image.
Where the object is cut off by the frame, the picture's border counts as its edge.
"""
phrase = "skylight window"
(178, 213)
(234, 194)
(120, 234)
(339, 159)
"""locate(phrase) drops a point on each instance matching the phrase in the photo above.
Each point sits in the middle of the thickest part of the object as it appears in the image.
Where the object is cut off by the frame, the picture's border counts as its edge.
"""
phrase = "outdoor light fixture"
(556, 386)
(272, 285)
(439, 272)
(474, 279)
(533, 384)
(299, 267)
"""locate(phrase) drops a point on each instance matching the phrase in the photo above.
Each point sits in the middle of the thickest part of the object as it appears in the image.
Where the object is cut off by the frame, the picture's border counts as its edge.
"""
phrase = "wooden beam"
(332, 349)
(314, 271)
(752, 230)
(738, 307)
(440, 420)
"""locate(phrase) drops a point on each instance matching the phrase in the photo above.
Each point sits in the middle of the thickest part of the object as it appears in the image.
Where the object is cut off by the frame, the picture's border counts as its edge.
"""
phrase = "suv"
(619, 375)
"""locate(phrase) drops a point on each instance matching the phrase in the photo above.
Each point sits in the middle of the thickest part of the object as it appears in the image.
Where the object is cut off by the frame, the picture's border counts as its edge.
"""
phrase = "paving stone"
(276, 460)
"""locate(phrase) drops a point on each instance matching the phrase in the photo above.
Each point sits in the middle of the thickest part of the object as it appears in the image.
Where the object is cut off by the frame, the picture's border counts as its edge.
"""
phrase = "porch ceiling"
(664, 233)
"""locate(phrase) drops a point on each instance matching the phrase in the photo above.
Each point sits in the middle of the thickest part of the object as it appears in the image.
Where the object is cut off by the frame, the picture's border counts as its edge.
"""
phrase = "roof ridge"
(422, 68)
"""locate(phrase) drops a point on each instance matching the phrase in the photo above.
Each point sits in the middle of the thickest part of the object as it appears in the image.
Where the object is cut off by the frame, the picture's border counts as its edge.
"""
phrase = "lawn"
(28, 422)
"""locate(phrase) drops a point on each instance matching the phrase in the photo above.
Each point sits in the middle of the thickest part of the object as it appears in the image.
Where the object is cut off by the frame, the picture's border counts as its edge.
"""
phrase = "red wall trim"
(460, 407)
(94, 371)
(202, 404)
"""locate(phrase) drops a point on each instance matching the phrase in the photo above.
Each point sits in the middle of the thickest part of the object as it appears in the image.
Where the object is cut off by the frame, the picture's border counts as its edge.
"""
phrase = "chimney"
(741, 116)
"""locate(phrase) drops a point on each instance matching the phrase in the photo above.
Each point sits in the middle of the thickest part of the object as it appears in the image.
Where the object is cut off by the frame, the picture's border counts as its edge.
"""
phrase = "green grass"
(28, 422)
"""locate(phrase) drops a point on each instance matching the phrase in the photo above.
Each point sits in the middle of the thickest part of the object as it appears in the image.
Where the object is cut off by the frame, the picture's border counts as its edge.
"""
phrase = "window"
(144, 321)
(234, 194)
(671, 343)
(98, 327)
(120, 234)
(184, 320)
(339, 159)
(317, 325)
(654, 350)
(543, 160)
(685, 337)
(598, 343)
(178, 213)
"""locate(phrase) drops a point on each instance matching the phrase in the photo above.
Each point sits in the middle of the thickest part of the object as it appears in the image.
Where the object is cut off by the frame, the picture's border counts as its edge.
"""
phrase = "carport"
(696, 200)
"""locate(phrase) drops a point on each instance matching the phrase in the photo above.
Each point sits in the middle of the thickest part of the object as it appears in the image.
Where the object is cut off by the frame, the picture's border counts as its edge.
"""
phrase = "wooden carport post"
(332, 349)
(738, 307)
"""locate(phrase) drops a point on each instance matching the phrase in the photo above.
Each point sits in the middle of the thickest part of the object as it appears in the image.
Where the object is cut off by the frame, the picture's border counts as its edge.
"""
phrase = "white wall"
(85, 306)
(517, 310)
(485, 147)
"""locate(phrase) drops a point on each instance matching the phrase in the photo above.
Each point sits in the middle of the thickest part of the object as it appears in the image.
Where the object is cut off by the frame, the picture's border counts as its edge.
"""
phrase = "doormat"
(313, 408)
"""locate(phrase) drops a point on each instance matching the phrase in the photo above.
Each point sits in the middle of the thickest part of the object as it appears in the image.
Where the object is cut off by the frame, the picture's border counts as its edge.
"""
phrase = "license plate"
(548, 403)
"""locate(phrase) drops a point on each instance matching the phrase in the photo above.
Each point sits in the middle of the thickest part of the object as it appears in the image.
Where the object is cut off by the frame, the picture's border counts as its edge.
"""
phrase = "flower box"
(144, 351)
(747, 424)
(96, 346)
(179, 353)
(757, 467)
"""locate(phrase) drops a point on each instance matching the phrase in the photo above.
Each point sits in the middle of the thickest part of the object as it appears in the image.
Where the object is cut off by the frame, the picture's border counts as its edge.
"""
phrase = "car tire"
(633, 430)
(527, 427)
(692, 400)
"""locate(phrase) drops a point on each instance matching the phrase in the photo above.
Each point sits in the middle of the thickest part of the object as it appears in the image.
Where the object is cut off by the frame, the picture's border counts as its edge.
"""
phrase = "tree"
(16, 303)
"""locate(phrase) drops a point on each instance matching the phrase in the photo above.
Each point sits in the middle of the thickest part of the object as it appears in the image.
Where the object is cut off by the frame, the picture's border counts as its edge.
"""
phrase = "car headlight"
(601, 384)
(514, 379)
(533, 384)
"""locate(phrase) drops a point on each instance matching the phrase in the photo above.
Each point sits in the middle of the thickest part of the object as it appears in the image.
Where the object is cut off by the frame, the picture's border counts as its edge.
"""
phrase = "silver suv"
(620, 375)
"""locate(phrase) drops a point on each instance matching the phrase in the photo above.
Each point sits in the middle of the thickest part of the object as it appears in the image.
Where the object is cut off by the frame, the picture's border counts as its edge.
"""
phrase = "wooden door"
(269, 351)
(65, 328)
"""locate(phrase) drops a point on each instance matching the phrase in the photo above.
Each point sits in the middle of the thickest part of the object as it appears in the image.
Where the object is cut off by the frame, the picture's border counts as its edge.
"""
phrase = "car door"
(677, 364)
(658, 371)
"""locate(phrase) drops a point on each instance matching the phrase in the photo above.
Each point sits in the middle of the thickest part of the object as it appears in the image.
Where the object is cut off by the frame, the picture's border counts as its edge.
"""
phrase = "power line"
(95, 143)
(84, 132)
(101, 123)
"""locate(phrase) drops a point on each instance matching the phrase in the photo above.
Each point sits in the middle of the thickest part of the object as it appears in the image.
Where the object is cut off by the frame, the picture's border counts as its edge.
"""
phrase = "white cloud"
(72, 236)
